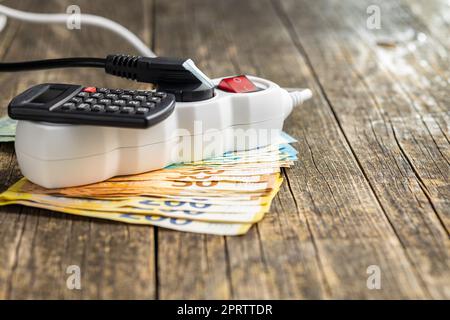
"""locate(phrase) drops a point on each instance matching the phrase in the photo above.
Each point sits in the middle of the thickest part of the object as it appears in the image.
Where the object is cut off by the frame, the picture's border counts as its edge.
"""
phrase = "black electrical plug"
(178, 76)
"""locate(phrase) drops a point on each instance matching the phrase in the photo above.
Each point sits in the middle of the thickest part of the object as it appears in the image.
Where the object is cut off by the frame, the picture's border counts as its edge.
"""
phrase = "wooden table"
(371, 186)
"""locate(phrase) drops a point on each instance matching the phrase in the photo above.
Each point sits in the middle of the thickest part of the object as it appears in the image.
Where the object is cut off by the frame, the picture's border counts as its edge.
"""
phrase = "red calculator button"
(90, 89)
(237, 84)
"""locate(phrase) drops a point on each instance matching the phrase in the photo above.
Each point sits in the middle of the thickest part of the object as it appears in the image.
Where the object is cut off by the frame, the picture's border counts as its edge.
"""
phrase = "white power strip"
(58, 155)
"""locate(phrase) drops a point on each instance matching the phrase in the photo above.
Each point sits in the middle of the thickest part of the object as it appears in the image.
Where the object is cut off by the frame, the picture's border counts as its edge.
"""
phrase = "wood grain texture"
(371, 186)
(116, 260)
(381, 114)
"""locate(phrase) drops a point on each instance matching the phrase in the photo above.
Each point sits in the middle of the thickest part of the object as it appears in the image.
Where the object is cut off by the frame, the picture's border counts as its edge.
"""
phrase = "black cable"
(142, 69)
(177, 76)
(52, 64)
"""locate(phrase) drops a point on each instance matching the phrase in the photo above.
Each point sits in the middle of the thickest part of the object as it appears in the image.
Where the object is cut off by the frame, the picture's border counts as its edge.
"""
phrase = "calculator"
(76, 104)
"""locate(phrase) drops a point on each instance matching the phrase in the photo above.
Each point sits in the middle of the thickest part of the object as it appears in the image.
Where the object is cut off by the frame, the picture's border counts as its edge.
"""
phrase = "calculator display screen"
(48, 95)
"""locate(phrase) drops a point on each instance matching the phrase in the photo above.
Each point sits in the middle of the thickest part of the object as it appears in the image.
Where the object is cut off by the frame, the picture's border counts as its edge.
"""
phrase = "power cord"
(86, 19)
(52, 64)
(142, 69)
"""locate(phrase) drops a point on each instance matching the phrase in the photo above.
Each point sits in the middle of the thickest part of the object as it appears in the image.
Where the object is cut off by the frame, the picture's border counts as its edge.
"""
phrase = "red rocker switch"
(237, 84)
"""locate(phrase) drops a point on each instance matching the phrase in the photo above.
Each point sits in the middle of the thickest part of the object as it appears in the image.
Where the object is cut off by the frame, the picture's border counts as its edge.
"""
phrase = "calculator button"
(90, 89)
(140, 98)
(161, 95)
(83, 94)
(97, 95)
(113, 108)
(120, 102)
(141, 110)
(116, 91)
(83, 107)
(68, 106)
(98, 107)
(129, 91)
(133, 103)
(76, 100)
(103, 90)
(126, 109)
(111, 96)
(154, 99)
(90, 100)
(126, 96)
(104, 101)
(150, 105)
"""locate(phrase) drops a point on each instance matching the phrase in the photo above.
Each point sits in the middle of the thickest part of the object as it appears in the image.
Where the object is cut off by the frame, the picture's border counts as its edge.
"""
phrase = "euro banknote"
(204, 227)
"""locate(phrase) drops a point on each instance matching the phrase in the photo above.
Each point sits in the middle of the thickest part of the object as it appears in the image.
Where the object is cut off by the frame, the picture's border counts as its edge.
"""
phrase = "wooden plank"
(326, 226)
(422, 75)
(383, 127)
(116, 260)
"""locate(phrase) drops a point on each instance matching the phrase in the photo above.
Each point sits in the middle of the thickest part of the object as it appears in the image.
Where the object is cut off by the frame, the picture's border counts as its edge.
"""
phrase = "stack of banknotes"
(224, 195)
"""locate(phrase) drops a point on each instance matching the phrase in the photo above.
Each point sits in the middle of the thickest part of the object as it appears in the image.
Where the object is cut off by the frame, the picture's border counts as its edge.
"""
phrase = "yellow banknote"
(141, 204)
(172, 213)
(223, 229)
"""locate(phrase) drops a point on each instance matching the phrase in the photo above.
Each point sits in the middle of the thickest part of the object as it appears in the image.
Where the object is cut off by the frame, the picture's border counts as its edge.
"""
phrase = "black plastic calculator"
(75, 104)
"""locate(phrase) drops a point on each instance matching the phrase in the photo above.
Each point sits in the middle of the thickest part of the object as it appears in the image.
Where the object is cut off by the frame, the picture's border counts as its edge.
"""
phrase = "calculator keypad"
(113, 101)
(120, 104)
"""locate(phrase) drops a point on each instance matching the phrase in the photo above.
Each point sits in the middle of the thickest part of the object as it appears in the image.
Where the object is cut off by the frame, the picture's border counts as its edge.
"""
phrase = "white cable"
(86, 19)
(298, 97)
(3, 21)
